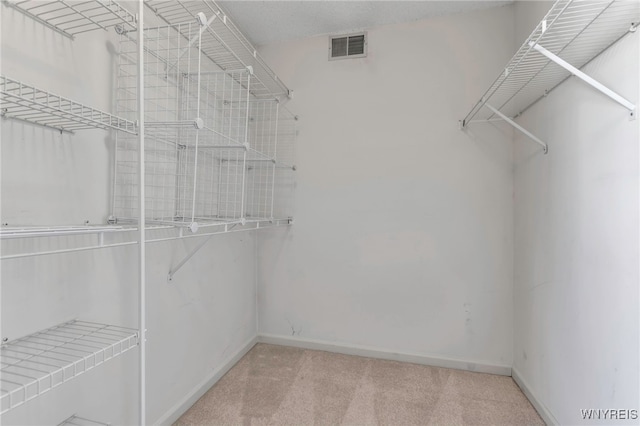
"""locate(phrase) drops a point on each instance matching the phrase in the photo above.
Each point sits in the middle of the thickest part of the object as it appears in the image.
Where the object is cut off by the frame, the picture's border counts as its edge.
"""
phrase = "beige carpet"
(277, 385)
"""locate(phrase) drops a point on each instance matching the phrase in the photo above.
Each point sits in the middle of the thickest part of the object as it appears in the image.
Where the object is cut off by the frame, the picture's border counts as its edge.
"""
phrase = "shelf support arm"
(176, 268)
(518, 127)
(180, 264)
(584, 77)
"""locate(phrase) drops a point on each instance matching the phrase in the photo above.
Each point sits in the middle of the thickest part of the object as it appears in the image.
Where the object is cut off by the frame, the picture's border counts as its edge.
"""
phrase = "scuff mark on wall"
(294, 332)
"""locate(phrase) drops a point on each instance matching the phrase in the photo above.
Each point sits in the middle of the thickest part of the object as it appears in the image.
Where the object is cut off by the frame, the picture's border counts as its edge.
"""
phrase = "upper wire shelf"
(75, 17)
(35, 364)
(575, 31)
(28, 103)
(223, 43)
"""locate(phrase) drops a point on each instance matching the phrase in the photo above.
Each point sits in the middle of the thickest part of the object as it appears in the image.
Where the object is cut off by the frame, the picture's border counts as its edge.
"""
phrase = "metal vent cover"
(348, 46)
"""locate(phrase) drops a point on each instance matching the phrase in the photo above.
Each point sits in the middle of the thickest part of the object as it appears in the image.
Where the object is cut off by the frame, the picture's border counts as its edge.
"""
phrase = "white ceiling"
(270, 21)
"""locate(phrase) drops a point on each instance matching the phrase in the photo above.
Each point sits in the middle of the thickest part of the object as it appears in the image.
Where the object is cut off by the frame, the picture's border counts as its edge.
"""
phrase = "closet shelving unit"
(219, 142)
(218, 157)
(217, 139)
(24, 102)
(570, 36)
(37, 363)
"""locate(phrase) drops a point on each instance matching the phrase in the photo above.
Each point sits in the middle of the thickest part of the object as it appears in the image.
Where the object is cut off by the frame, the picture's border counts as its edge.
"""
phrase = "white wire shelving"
(207, 150)
(223, 43)
(21, 242)
(75, 17)
(27, 103)
(217, 146)
(570, 36)
(212, 147)
(76, 420)
(35, 364)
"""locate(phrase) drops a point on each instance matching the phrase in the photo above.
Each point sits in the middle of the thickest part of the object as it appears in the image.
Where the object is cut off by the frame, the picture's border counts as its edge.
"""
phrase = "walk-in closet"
(319, 212)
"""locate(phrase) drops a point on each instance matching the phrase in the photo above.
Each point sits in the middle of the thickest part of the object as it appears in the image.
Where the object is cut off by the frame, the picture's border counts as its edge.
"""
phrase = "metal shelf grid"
(577, 31)
(37, 363)
(28, 103)
(285, 169)
(259, 173)
(195, 128)
(272, 131)
(81, 421)
(223, 43)
(75, 17)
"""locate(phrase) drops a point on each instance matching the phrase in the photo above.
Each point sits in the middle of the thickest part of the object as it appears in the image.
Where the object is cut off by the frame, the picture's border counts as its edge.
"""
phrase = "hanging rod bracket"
(587, 79)
(518, 127)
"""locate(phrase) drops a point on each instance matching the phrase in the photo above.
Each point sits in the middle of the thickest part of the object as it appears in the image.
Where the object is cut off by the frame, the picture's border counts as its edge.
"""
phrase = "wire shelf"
(223, 43)
(72, 17)
(14, 245)
(82, 421)
(24, 102)
(37, 363)
(576, 31)
(14, 232)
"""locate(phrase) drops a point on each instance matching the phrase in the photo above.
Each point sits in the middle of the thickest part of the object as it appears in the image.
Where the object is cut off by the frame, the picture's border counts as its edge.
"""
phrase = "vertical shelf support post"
(142, 295)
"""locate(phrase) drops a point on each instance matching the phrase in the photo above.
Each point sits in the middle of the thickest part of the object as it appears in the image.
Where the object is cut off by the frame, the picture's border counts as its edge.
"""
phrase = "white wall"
(194, 324)
(576, 241)
(403, 237)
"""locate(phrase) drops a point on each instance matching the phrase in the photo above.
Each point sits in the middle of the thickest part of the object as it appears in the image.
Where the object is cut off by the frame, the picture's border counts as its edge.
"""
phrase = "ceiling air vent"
(348, 46)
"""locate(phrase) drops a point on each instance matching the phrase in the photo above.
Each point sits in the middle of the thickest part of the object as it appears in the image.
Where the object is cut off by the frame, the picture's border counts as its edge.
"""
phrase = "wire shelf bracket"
(570, 36)
(587, 79)
(519, 127)
(76, 420)
(180, 264)
(42, 361)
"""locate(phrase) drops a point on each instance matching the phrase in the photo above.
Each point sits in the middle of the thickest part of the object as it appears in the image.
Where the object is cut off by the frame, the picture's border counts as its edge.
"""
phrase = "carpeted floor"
(277, 385)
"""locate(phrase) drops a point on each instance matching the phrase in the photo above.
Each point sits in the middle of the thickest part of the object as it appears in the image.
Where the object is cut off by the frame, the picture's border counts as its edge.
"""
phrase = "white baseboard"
(185, 403)
(347, 349)
(539, 406)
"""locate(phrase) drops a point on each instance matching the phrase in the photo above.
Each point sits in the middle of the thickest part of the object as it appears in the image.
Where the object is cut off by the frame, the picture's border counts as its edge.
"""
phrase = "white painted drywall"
(195, 323)
(576, 241)
(403, 224)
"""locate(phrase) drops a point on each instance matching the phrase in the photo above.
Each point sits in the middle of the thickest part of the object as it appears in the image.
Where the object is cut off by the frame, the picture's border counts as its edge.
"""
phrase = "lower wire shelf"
(35, 364)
